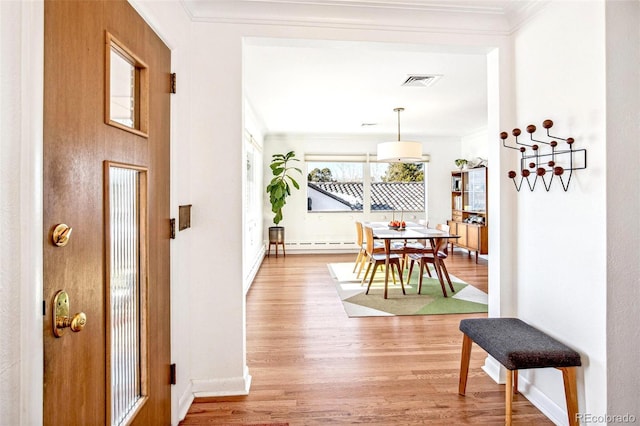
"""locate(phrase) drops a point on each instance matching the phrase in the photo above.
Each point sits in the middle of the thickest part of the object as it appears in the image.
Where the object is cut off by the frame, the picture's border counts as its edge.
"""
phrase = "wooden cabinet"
(469, 210)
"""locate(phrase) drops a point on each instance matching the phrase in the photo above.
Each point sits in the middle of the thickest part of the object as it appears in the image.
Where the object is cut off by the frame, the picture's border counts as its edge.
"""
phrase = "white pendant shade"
(399, 152)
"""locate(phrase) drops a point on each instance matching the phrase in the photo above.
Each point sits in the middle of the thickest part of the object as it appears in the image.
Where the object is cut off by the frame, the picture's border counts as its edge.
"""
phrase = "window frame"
(365, 160)
(141, 87)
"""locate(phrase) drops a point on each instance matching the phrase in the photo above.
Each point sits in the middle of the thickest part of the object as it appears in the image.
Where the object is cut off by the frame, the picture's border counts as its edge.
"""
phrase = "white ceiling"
(329, 87)
(336, 87)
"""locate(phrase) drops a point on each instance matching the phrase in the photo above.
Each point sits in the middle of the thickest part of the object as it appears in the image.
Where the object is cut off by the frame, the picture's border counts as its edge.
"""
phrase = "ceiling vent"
(421, 80)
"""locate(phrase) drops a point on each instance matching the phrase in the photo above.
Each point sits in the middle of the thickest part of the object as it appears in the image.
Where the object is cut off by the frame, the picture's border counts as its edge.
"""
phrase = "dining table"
(411, 231)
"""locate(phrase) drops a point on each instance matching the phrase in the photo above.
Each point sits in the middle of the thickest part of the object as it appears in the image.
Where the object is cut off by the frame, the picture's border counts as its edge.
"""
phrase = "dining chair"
(361, 259)
(361, 248)
(444, 253)
(377, 258)
(415, 246)
(408, 247)
(432, 256)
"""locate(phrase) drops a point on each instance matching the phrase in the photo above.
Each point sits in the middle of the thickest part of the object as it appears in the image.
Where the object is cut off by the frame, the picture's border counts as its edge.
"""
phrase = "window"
(335, 186)
(350, 186)
(127, 278)
(397, 187)
(126, 89)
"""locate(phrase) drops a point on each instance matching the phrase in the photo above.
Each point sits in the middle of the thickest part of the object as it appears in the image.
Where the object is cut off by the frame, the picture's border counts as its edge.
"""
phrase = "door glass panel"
(126, 89)
(126, 273)
(123, 84)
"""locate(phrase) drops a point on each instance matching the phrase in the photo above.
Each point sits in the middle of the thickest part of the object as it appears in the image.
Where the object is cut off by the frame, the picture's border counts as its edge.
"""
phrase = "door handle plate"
(61, 319)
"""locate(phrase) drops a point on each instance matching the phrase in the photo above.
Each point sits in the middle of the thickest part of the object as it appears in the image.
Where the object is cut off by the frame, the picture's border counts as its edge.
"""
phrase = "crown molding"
(486, 17)
(464, 6)
(519, 13)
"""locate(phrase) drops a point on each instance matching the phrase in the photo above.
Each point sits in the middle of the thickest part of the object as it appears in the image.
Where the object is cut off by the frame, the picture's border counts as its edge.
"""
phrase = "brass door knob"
(61, 319)
(76, 323)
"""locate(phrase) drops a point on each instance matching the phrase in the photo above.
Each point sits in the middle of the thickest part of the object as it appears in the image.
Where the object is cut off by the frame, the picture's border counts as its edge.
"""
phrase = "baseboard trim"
(253, 271)
(495, 370)
(184, 402)
(222, 387)
(553, 411)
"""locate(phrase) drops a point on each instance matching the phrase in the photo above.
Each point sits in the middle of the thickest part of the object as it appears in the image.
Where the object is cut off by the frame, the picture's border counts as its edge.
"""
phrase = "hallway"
(311, 364)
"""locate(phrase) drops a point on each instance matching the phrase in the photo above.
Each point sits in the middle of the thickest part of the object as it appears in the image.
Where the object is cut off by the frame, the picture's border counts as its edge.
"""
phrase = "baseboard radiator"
(319, 247)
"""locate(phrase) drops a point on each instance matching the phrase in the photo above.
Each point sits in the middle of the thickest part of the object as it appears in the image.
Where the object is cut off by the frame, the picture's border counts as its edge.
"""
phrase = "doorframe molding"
(31, 212)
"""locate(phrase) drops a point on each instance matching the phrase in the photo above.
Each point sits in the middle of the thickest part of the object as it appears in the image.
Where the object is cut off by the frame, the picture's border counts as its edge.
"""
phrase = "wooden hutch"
(469, 210)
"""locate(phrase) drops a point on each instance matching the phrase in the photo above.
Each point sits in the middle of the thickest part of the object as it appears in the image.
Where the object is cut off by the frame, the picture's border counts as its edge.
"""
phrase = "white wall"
(21, 83)
(217, 301)
(623, 200)
(561, 277)
(476, 145)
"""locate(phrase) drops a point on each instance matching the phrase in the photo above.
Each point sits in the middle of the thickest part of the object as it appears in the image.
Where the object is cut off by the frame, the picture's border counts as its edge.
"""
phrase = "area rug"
(466, 299)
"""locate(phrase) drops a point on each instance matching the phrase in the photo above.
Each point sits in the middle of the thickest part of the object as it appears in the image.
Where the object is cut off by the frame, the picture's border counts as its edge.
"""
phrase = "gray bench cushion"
(517, 345)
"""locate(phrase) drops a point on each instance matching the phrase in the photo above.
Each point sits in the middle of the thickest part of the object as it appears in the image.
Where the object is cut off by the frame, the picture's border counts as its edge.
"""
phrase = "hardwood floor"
(311, 364)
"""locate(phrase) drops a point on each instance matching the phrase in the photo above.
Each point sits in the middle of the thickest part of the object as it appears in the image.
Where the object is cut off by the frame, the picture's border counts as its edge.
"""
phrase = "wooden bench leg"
(464, 364)
(508, 398)
(515, 382)
(570, 393)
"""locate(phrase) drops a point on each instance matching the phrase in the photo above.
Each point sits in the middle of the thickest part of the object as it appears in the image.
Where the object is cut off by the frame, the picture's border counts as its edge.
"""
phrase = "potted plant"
(279, 189)
(461, 162)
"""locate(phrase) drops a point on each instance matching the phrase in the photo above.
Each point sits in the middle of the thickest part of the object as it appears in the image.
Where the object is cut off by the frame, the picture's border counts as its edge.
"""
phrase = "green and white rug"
(466, 299)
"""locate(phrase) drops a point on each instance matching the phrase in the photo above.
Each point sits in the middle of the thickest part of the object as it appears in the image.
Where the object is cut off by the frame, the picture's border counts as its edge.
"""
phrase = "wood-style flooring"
(311, 364)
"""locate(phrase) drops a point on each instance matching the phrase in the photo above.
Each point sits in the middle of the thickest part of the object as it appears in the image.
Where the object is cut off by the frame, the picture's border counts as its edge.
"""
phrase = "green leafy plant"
(460, 162)
(279, 188)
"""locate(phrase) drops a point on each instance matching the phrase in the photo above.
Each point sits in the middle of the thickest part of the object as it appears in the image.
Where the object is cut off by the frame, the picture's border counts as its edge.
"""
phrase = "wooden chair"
(416, 246)
(409, 247)
(361, 248)
(444, 253)
(434, 256)
(361, 259)
(376, 259)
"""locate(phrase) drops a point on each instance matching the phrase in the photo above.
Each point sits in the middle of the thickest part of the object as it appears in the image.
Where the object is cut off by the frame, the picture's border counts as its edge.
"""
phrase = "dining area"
(397, 247)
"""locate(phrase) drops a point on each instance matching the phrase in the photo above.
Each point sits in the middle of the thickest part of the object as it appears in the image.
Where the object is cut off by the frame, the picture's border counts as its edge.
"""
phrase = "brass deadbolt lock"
(61, 234)
(61, 318)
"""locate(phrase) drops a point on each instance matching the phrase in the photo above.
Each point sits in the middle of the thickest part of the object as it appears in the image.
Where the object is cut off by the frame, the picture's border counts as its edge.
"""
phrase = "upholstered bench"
(518, 346)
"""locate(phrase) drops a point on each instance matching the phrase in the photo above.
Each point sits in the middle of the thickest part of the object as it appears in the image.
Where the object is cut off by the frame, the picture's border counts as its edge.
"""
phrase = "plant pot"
(276, 234)
(276, 237)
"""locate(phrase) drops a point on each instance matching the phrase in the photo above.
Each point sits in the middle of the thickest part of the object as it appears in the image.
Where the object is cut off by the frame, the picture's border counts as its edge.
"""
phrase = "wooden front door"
(115, 266)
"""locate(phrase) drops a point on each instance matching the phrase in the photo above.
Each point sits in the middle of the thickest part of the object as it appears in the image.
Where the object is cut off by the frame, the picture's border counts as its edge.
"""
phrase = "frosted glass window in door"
(126, 272)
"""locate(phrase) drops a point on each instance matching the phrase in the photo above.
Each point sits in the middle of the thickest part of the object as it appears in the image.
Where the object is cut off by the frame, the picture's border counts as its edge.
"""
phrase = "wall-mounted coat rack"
(546, 166)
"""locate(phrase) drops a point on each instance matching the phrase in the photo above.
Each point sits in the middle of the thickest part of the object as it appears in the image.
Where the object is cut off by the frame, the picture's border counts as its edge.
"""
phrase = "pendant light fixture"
(400, 151)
